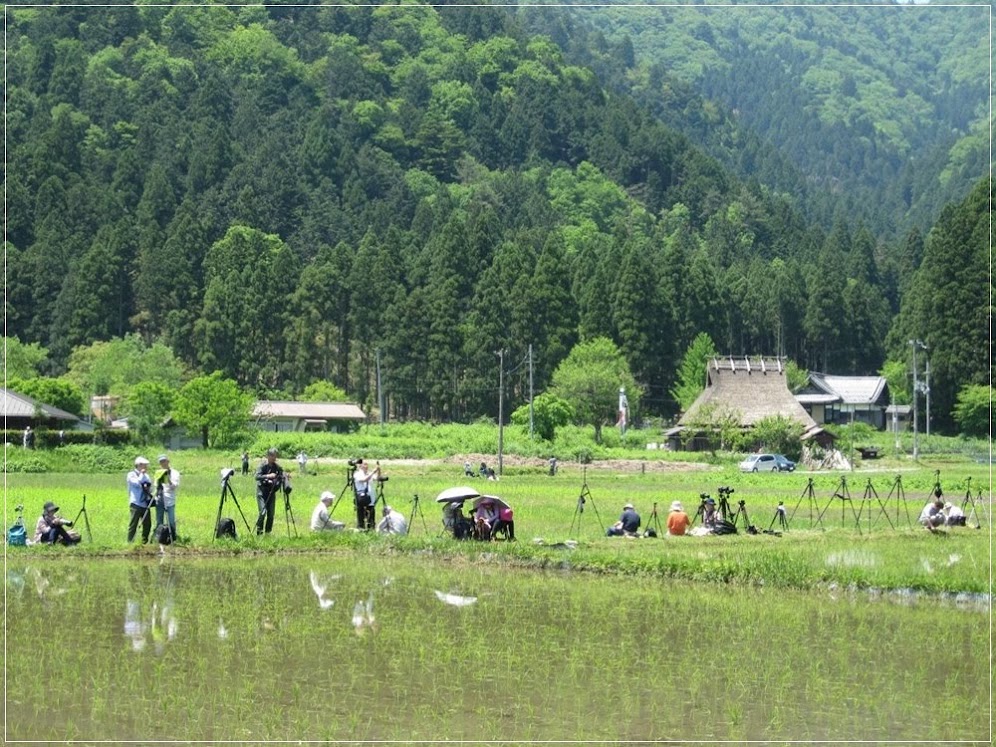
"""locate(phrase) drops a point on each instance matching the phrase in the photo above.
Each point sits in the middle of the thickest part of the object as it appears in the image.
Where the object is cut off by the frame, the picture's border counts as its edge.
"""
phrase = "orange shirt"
(677, 522)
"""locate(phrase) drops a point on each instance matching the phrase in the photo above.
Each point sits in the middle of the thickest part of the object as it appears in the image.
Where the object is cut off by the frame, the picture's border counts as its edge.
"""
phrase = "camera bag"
(226, 529)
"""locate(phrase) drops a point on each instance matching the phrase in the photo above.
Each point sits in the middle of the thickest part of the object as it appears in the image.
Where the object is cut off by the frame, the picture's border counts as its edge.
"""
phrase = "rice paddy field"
(851, 623)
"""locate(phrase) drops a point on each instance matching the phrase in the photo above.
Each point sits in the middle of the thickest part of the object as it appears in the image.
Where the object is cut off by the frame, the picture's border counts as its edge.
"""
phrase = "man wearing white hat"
(139, 499)
(320, 519)
(628, 524)
(677, 520)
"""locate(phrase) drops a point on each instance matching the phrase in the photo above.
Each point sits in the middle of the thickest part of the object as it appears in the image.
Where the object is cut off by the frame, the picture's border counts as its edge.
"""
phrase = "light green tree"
(146, 406)
(549, 413)
(213, 407)
(23, 360)
(323, 391)
(590, 378)
(973, 410)
(115, 366)
(691, 377)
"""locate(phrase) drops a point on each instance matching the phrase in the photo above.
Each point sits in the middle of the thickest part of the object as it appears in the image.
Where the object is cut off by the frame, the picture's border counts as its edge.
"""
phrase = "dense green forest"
(879, 112)
(294, 194)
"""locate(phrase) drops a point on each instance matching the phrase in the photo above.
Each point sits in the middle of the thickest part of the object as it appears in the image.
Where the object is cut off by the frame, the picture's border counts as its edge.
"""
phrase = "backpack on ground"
(164, 535)
(226, 529)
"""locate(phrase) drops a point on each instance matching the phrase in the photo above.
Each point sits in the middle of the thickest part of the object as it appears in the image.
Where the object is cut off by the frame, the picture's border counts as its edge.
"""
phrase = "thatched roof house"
(748, 389)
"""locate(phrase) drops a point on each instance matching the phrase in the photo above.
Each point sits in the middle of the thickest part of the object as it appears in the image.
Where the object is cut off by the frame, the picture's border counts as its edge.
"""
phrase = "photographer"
(269, 480)
(51, 528)
(628, 524)
(139, 499)
(320, 519)
(167, 483)
(364, 498)
(393, 522)
(677, 520)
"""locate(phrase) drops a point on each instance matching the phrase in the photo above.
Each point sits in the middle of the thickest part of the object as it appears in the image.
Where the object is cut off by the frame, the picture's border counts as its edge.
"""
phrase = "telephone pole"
(916, 389)
(380, 392)
(501, 409)
(926, 391)
(530, 391)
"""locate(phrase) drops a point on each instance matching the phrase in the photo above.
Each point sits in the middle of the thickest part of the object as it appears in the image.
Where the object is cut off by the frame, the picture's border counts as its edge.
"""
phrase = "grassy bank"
(840, 549)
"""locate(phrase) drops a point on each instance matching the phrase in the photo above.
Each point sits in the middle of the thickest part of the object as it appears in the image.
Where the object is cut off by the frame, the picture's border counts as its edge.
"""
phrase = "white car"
(759, 463)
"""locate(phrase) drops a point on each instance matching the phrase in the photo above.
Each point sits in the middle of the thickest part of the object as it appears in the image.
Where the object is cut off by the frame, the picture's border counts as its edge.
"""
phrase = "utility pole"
(916, 389)
(380, 392)
(926, 391)
(501, 409)
(530, 391)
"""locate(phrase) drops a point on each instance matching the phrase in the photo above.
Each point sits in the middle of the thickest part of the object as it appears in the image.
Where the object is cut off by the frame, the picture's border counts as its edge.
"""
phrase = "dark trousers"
(267, 505)
(138, 513)
(366, 517)
(59, 534)
(245, 468)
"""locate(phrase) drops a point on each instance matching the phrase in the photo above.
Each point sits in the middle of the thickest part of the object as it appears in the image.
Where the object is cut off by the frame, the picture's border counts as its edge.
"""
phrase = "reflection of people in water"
(363, 616)
(160, 625)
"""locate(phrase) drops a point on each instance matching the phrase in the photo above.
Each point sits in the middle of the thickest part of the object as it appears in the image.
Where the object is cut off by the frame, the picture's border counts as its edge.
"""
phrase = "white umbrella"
(458, 494)
(490, 498)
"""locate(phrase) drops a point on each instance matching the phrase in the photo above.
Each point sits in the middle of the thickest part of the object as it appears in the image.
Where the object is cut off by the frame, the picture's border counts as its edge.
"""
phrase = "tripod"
(86, 519)
(845, 497)
(579, 507)
(813, 507)
(288, 512)
(653, 523)
(866, 500)
(724, 504)
(779, 517)
(897, 490)
(970, 501)
(741, 514)
(348, 486)
(417, 509)
(227, 492)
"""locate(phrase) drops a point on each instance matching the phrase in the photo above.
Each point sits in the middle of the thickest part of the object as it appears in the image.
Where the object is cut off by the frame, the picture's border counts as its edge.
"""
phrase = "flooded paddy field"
(358, 646)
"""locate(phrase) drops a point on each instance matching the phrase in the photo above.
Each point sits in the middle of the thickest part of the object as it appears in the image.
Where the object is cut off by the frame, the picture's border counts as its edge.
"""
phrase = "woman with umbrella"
(488, 520)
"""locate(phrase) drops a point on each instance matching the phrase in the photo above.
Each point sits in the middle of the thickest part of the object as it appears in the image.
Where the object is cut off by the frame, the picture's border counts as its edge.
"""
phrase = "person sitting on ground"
(394, 522)
(467, 471)
(954, 516)
(485, 518)
(455, 522)
(483, 471)
(932, 515)
(321, 521)
(628, 524)
(491, 474)
(506, 524)
(677, 520)
(51, 528)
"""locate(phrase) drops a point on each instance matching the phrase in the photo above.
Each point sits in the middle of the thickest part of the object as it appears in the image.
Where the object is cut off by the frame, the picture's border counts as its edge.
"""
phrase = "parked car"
(784, 463)
(759, 463)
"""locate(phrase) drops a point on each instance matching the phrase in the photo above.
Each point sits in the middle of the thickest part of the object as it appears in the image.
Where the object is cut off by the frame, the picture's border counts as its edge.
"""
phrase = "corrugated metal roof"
(22, 406)
(308, 410)
(852, 390)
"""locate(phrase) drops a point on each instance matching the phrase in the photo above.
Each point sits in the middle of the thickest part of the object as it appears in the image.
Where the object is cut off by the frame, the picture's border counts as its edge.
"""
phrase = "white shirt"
(393, 523)
(322, 522)
(170, 485)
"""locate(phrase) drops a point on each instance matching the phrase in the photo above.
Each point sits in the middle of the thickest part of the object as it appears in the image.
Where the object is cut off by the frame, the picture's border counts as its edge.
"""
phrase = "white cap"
(327, 496)
(141, 460)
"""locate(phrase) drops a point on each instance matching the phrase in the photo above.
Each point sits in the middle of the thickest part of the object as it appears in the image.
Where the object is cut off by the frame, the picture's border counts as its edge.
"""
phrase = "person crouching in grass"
(51, 528)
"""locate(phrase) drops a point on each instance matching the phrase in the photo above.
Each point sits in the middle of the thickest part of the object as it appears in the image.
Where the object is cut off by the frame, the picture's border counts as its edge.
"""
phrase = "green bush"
(91, 458)
(21, 460)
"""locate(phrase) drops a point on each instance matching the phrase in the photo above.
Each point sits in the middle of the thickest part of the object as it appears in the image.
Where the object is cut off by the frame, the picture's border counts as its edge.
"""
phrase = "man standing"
(245, 462)
(167, 483)
(628, 524)
(139, 499)
(365, 515)
(269, 479)
(320, 519)
(302, 462)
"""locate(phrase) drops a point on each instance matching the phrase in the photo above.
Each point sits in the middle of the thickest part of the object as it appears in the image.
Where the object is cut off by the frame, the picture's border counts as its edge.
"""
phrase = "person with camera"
(139, 499)
(628, 524)
(364, 497)
(394, 522)
(677, 520)
(269, 481)
(167, 483)
(51, 528)
(321, 521)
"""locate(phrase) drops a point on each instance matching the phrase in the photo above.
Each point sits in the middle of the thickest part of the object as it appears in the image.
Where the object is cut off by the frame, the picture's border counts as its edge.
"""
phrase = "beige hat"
(676, 506)
(141, 460)
(328, 496)
(628, 505)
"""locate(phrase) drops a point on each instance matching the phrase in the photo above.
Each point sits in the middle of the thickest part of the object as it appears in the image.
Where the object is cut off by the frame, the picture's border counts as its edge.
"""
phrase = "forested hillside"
(877, 111)
(283, 193)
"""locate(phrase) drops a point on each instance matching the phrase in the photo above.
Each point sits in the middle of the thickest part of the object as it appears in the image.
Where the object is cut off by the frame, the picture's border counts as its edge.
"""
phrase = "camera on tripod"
(383, 478)
(704, 496)
(741, 503)
(725, 490)
(353, 462)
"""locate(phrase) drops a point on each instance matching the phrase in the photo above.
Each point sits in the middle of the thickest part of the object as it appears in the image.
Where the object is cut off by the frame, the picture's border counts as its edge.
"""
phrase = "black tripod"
(741, 514)
(897, 490)
(227, 492)
(653, 523)
(844, 495)
(779, 517)
(288, 512)
(813, 507)
(724, 503)
(86, 519)
(970, 501)
(866, 501)
(417, 509)
(579, 507)
(347, 487)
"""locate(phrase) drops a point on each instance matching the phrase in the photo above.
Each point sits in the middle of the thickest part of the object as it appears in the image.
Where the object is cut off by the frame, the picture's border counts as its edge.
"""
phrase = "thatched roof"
(750, 388)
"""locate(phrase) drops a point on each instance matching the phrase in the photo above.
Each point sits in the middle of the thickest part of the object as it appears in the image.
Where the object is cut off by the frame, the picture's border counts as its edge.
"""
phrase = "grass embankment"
(832, 551)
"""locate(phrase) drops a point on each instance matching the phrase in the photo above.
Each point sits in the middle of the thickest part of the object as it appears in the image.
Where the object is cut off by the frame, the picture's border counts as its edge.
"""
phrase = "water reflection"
(225, 649)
